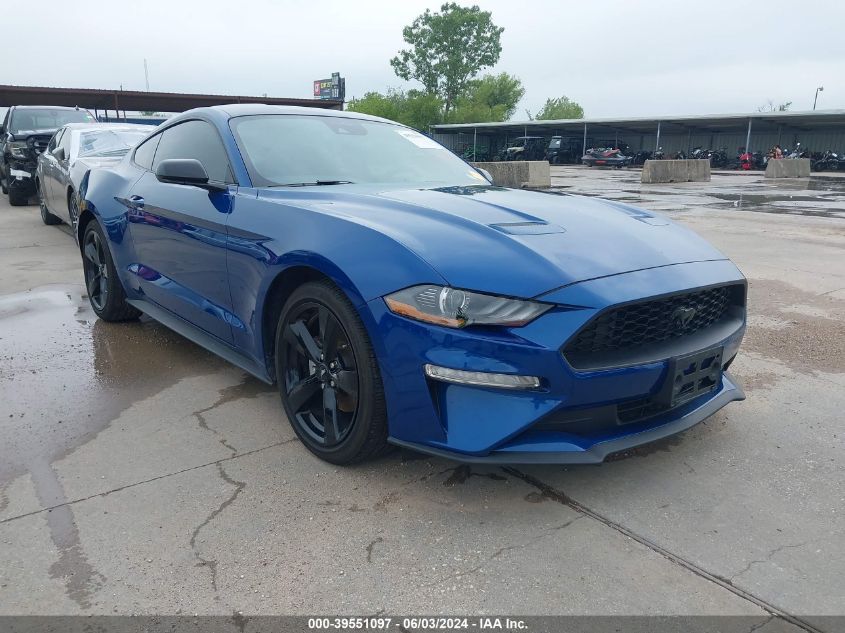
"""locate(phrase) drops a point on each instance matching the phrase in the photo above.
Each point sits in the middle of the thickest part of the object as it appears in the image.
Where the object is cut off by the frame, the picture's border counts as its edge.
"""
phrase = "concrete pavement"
(141, 475)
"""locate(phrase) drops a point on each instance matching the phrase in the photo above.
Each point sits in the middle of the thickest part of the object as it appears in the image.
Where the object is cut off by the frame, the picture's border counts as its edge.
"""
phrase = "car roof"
(246, 109)
(108, 126)
(48, 107)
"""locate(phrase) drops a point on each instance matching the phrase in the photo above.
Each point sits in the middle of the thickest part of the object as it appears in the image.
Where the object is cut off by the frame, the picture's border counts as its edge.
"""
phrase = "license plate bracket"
(691, 376)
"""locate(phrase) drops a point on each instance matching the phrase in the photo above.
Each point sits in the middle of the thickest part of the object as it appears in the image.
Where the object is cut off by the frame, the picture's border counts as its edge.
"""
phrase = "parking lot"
(139, 474)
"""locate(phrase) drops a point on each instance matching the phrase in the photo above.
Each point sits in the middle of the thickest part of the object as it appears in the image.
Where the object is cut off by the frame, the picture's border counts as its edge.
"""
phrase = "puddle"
(64, 376)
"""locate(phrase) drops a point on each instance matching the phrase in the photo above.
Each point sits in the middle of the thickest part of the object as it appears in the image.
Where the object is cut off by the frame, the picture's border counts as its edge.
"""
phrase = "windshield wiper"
(316, 183)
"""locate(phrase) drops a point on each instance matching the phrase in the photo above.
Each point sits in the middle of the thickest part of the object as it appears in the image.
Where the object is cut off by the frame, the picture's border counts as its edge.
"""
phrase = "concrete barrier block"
(788, 168)
(519, 173)
(676, 171)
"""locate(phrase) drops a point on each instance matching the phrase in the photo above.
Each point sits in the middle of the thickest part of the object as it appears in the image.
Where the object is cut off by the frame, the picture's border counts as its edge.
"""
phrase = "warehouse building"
(817, 131)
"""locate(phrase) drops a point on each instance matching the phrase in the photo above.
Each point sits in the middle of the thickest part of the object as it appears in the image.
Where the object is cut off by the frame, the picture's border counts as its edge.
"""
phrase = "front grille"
(638, 324)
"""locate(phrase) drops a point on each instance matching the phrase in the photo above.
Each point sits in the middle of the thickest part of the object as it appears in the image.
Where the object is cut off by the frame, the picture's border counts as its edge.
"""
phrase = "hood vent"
(528, 228)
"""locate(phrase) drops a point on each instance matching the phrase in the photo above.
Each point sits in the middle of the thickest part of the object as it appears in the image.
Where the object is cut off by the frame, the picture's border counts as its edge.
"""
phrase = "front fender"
(266, 239)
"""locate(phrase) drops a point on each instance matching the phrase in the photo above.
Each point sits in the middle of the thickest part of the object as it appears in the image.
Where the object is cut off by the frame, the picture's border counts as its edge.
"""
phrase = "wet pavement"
(140, 474)
(822, 195)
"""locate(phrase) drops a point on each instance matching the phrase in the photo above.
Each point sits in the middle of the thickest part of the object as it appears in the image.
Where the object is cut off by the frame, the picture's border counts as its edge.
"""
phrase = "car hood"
(513, 242)
(22, 135)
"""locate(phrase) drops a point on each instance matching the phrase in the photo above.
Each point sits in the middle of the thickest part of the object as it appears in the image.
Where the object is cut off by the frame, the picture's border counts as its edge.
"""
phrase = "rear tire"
(328, 376)
(46, 217)
(105, 292)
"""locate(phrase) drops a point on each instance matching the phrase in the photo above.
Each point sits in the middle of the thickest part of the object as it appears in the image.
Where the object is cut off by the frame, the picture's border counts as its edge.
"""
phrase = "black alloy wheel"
(328, 376)
(96, 270)
(322, 377)
(105, 291)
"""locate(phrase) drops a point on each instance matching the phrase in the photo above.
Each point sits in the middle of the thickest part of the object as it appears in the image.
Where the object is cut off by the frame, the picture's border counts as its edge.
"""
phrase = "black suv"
(24, 134)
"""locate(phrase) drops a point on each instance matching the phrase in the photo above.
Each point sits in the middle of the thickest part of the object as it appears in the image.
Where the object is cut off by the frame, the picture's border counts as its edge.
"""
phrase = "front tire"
(16, 198)
(105, 292)
(328, 376)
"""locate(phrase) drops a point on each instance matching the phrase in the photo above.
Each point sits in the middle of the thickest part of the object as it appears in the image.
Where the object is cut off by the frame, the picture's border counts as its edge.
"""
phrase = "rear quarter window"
(146, 151)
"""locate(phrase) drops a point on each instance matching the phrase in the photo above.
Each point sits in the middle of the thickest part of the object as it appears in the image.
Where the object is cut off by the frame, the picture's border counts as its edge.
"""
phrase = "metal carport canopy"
(762, 121)
(139, 101)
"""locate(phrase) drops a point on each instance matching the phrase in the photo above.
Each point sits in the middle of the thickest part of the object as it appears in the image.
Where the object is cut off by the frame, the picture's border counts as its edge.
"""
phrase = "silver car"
(75, 149)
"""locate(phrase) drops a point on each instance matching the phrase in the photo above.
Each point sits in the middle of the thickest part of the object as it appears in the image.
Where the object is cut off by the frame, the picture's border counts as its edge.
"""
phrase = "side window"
(55, 140)
(199, 140)
(145, 152)
(64, 142)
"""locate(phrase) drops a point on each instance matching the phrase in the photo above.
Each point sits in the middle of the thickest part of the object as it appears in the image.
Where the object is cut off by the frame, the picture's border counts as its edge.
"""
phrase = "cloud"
(616, 57)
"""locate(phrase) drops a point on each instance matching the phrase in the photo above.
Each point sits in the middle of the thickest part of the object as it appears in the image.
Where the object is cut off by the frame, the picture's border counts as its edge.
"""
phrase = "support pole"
(689, 141)
(584, 148)
(474, 142)
(748, 138)
(657, 144)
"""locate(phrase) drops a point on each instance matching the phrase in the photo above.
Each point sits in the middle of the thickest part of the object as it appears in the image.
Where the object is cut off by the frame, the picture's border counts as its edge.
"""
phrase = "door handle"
(136, 202)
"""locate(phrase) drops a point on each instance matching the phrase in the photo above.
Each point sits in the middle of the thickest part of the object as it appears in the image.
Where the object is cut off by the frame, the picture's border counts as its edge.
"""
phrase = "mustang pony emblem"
(682, 316)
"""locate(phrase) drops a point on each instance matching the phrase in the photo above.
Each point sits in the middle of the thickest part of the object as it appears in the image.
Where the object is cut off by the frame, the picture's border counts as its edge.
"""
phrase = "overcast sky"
(616, 58)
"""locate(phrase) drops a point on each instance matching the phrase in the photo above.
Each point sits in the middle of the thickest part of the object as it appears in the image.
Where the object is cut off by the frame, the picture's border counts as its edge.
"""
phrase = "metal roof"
(644, 125)
(139, 101)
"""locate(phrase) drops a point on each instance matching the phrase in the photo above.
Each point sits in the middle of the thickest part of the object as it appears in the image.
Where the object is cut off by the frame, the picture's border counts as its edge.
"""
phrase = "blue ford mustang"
(397, 297)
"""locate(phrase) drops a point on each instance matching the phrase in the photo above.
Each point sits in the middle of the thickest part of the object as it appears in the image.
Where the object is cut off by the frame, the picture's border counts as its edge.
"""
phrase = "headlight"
(458, 308)
(18, 149)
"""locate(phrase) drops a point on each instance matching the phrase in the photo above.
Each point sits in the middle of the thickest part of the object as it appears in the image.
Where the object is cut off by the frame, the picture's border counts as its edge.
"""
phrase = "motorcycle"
(797, 152)
(641, 157)
(829, 161)
(699, 153)
(718, 158)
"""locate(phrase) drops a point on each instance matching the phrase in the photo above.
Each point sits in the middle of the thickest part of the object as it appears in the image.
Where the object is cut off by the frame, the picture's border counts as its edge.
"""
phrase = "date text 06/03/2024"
(417, 623)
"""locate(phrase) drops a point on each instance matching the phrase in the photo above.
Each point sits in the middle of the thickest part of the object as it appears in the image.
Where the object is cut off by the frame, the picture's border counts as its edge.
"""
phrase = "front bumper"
(483, 424)
(546, 448)
(21, 176)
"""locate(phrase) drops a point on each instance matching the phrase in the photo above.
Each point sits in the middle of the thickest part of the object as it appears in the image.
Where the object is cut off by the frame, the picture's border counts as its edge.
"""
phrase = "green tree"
(413, 108)
(490, 98)
(447, 49)
(770, 106)
(560, 108)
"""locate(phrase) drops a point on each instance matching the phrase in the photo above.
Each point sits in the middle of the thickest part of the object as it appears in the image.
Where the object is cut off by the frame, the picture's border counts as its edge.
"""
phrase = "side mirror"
(59, 153)
(182, 171)
(486, 174)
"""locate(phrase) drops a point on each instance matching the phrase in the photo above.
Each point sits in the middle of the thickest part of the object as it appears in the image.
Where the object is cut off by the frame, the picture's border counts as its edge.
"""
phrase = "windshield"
(284, 149)
(47, 119)
(109, 142)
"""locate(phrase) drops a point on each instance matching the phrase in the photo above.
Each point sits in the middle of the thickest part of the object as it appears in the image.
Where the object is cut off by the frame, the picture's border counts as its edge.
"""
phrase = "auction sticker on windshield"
(420, 140)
